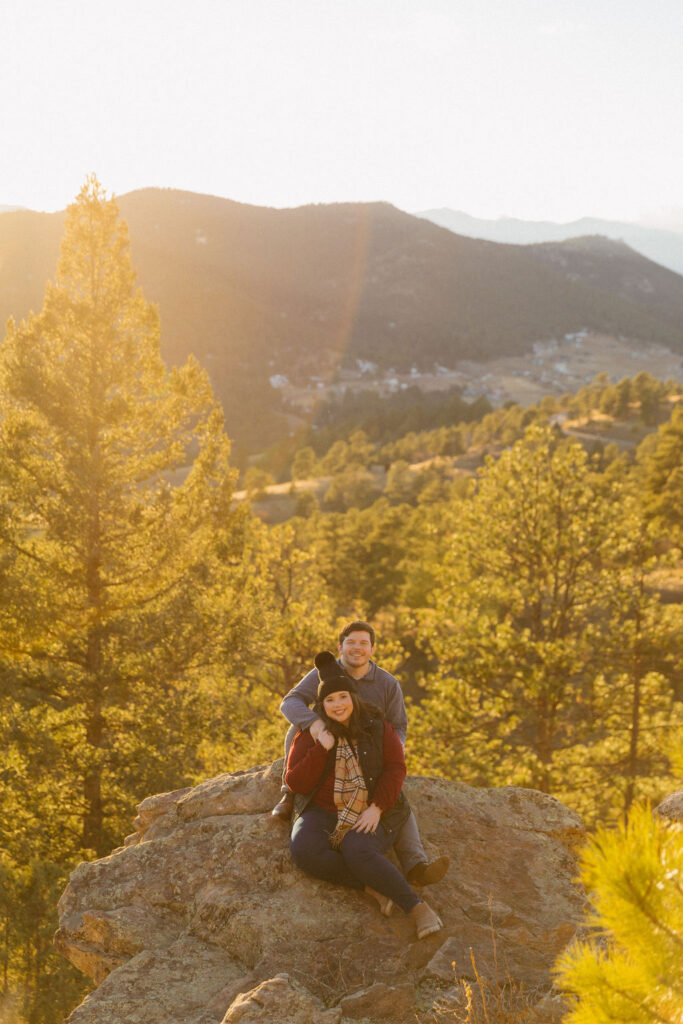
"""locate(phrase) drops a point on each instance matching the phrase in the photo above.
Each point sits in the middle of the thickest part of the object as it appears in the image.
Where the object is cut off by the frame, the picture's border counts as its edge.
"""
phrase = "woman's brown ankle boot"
(426, 920)
(386, 904)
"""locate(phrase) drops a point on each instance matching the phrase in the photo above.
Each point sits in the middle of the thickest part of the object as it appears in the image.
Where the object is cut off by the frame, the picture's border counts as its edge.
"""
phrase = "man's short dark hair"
(357, 627)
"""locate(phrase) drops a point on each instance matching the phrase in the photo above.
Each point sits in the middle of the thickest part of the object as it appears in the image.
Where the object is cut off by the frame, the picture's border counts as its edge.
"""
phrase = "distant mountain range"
(665, 247)
(256, 292)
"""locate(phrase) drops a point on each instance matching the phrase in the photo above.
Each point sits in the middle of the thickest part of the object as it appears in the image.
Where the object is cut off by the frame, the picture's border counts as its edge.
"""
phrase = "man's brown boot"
(284, 807)
(427, 873)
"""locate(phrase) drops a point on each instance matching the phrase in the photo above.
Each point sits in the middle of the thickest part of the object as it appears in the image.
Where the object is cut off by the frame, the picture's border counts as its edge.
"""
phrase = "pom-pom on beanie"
(332, 676)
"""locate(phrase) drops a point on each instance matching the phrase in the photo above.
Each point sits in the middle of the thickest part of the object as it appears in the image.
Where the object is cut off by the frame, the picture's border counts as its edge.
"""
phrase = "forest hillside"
(521, 568)
(259, 295)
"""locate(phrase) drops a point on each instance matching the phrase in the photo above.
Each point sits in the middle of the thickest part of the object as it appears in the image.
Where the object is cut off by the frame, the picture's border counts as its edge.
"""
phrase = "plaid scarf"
(350, 792)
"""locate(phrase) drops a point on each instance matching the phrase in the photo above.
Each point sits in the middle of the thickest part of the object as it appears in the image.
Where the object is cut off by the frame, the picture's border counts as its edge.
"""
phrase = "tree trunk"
(93, 814)
(5, 958)
(544, 744)
(636, 675)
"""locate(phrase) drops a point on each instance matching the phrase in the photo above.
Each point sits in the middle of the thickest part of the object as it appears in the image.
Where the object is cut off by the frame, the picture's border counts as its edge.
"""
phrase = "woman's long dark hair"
(362, 712)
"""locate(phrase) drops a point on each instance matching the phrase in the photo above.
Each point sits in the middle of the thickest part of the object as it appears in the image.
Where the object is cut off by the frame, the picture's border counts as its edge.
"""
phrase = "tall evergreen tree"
(120, 563)
(115, 472)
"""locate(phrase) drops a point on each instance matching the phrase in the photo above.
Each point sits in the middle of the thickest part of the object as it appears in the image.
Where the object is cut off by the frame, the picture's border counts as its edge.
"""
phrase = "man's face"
(356, 650)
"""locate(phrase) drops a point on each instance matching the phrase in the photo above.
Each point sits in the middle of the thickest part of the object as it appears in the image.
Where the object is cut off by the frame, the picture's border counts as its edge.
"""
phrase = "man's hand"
(368, 820)
(321, 734)
(326, 739)
(315, 728)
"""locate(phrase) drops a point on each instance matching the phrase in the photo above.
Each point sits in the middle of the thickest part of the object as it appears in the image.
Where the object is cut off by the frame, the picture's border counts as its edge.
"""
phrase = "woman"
(349, 805)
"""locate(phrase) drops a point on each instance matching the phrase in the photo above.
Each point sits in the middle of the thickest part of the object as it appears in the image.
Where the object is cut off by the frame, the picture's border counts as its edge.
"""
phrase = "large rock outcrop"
(201, 918)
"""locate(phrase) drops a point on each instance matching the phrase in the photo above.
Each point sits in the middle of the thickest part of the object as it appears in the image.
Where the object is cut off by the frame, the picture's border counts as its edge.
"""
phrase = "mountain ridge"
(256, 292)
(658, 244)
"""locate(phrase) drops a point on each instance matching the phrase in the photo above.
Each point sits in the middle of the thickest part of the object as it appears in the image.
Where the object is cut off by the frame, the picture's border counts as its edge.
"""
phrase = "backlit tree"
(117, 493)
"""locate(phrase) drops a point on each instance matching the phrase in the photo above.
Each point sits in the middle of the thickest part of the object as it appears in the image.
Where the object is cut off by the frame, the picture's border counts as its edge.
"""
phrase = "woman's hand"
(368, 820)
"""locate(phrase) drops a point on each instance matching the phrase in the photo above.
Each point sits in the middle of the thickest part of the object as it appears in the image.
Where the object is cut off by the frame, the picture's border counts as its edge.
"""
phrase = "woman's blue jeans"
(407, 844)
(360, 861)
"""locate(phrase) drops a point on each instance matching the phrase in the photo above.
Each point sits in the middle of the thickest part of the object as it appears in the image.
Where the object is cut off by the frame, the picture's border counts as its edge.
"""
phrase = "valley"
(554, 367)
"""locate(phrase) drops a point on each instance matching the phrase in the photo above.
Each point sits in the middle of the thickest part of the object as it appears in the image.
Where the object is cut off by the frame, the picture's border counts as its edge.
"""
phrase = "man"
(356, 647)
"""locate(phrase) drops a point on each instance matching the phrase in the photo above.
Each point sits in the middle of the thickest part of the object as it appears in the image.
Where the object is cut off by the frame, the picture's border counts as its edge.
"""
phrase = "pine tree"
(632, 971)
(303, 464)
(120, 560)
(545, 635)
(660, 461)
(620, 751)
(116, 473)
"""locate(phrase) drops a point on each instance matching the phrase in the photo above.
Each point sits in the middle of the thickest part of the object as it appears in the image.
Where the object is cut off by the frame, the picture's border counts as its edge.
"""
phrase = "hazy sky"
(543, 109)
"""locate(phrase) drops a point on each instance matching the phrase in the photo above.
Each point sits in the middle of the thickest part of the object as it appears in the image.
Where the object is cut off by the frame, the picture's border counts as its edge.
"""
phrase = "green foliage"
(354, 488)
(484, 428)
(110, 562)
(643, 396)
(350, 457)
(28, 895)
(400, 485)
(306, 504)
(632, 971)
(661, 470)
(390, 418)
(506, 425)
(361, 556)
(295, 613)
(291, 617)
(622, 745)
(303, 464)
(543, 639)
(256, 481)
(133, 583)
(336, 459)
(121, 569)
(517, 574)
(427, 444)
(39, 842)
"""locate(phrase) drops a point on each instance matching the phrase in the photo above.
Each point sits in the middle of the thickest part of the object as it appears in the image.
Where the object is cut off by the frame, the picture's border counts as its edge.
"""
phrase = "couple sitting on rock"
(344, 772)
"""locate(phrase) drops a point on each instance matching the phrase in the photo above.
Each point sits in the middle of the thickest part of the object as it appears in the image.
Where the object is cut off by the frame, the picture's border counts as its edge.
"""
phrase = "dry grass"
(497, 1000)
(487, 1002)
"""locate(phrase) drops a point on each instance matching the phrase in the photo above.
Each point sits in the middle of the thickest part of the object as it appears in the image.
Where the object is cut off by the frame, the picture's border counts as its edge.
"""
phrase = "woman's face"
(338, 706)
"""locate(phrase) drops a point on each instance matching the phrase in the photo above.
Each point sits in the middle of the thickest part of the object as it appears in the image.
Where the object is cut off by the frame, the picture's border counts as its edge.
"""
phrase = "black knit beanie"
(332, 676)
